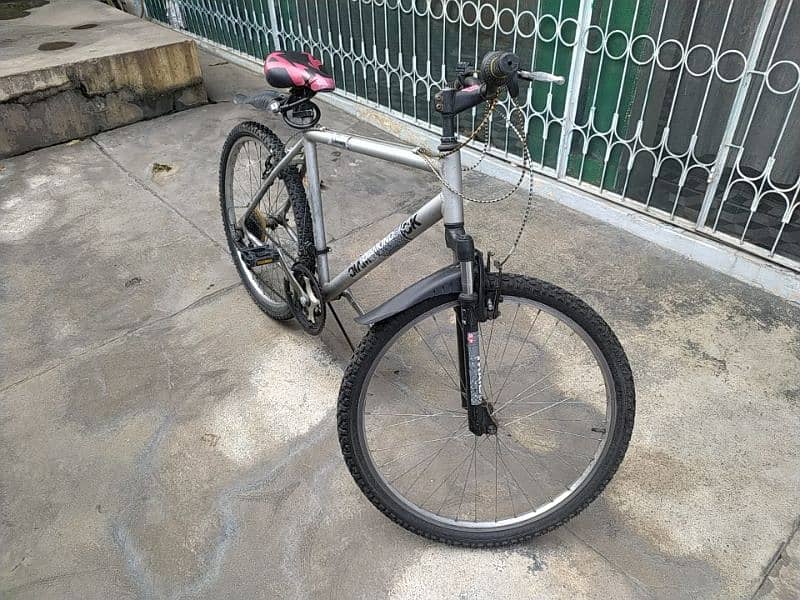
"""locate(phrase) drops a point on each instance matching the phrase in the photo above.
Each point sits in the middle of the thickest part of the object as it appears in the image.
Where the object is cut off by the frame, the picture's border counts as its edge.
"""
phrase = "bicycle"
(481, 408)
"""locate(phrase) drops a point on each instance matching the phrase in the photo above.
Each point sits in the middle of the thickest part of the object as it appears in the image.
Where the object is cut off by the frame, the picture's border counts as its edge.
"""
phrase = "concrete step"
(72, 68)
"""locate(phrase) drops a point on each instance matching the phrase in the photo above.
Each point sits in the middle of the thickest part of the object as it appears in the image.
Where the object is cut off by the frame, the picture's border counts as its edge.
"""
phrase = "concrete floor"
(162, 438)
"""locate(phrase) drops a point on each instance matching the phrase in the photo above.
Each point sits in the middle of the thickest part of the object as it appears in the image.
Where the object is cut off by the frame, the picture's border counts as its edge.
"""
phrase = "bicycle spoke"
(516, 455)
(516, 358)
(249, 168)
(489, 344)
(573, 434)
(508, 482)
(508, 337)
(496, 445)
(444, 342)
(404, 388)
(475, 471)
(432, 457)
(244, 192)
(550, 402)
(444, 413)
(417, 418)
(466, 477)
(411, 444)
(510, 472)
(548, 447)
(436, 357)
(413, 483)
(502, 406)
(534, 413)
(445, 480)
(544, 346)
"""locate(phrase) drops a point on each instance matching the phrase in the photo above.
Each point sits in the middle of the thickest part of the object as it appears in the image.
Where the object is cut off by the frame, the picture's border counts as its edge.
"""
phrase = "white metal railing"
(684, 109)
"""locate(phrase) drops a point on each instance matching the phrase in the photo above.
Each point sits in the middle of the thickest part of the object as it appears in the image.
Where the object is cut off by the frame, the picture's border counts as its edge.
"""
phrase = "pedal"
(256, 257)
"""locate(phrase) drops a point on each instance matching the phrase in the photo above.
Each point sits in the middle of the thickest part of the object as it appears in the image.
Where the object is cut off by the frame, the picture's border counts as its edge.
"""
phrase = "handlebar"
(501, 69)
(498, 70)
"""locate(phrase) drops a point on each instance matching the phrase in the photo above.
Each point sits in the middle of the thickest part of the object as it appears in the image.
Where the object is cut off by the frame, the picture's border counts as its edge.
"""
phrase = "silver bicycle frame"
(446, 205)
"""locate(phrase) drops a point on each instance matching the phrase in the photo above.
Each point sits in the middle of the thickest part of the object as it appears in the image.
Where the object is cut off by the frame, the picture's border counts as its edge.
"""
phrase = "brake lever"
(464, 71)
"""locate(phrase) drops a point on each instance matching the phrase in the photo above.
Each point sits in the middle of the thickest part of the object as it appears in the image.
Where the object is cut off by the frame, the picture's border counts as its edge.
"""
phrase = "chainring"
(312, 320)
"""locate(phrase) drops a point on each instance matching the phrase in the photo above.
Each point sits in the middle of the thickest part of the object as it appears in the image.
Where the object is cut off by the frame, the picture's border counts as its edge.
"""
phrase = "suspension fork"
(471, 310)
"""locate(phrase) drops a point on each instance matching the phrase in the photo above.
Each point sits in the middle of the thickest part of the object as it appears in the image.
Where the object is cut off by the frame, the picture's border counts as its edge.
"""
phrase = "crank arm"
(287, 270)
(282, 259)
(252, 238)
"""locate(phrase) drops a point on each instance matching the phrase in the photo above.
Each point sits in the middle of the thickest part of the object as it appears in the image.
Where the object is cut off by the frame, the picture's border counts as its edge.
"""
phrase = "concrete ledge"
(118, 71)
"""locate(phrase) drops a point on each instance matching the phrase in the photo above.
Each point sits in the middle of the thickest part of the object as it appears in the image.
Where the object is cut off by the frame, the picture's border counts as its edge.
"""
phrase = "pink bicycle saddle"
(297, 69)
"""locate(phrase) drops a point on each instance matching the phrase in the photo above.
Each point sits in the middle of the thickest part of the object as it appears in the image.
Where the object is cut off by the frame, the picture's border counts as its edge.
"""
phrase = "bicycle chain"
(428, 155)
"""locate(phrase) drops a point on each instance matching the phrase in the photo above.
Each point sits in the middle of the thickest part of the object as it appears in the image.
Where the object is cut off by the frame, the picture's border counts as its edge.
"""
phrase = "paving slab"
(184, 445)
(89, 253)
(71, 68)
(782, 581)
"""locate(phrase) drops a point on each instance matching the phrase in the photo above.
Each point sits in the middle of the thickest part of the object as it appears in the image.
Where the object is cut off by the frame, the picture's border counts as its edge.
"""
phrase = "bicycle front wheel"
(560, 388)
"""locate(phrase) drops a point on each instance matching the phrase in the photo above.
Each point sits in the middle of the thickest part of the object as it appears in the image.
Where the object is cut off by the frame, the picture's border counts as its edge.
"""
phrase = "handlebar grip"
(541, 76)
(498, 68)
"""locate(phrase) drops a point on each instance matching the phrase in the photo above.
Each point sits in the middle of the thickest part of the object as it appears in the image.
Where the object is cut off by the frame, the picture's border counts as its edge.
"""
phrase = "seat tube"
(315, 204)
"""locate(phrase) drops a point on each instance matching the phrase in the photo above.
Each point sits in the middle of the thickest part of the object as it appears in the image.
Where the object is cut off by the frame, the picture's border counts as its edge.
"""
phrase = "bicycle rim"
(244, 172)
(554, 400)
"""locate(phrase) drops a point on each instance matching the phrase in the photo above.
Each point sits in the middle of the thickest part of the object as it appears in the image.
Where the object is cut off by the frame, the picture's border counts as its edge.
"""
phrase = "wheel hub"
(481, 421)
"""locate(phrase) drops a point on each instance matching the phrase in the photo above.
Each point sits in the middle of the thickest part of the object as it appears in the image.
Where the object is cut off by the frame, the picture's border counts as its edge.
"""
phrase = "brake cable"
(525, 168)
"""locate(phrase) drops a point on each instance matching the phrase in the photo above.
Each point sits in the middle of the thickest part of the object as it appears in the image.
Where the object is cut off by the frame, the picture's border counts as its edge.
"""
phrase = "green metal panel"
(603, 77)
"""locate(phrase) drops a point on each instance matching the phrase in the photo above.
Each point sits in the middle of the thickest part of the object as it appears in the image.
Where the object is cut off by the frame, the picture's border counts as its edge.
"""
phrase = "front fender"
(444, 281)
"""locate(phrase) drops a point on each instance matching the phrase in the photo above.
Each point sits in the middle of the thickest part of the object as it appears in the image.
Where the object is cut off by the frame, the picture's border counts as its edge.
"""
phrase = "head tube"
(452, 203)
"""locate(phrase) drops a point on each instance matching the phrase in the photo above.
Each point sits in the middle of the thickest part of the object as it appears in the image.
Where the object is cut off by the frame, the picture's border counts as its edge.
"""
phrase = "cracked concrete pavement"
(162, 438)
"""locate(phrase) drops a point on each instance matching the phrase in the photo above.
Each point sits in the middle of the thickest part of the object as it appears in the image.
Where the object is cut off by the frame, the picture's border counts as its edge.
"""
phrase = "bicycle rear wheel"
(561, 391)
(282, 218)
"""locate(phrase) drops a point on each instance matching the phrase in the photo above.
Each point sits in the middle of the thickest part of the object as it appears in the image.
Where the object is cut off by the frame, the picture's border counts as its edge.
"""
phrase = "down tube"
(409, 229)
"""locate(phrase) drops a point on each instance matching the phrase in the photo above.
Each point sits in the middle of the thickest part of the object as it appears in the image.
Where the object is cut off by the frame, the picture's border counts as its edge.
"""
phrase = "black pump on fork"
(477, 303)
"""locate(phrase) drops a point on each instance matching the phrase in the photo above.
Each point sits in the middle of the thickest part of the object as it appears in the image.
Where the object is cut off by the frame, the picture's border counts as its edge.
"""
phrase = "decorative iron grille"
(683, 109)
